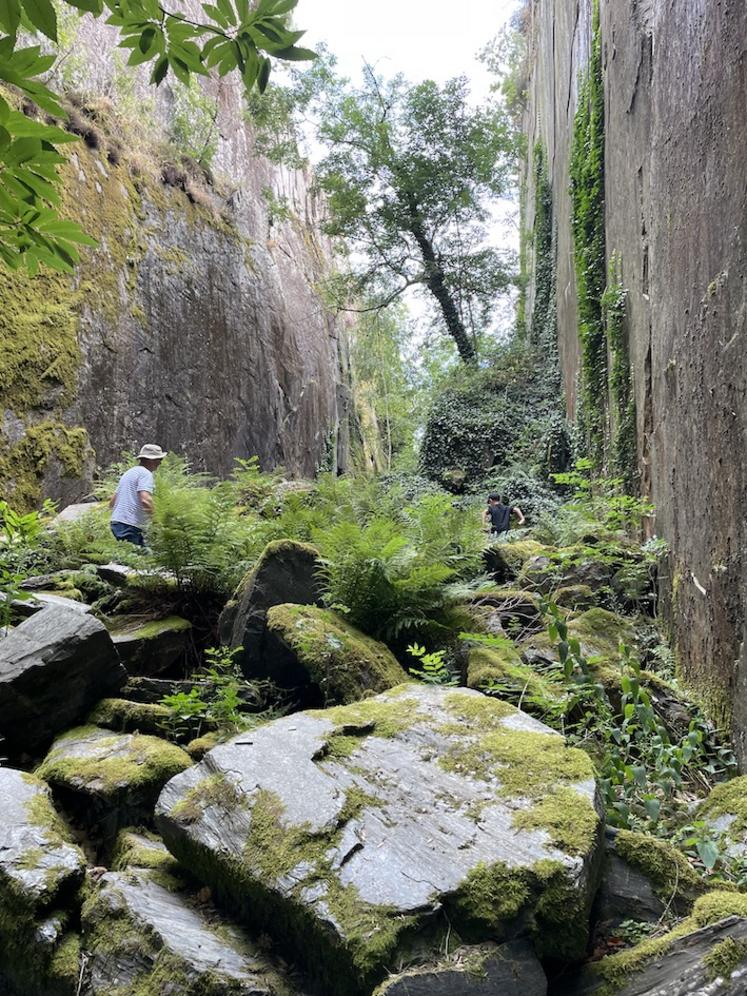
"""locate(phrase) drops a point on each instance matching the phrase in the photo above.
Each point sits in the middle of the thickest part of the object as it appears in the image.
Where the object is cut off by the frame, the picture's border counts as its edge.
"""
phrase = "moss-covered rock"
(145, 935)
(575, 596)
(112, 780)
(341, 830)
(150, 648)
(725, 810)
(40, 871)
(307, 645)
(125, 716)
(501, 672)
(506, 560)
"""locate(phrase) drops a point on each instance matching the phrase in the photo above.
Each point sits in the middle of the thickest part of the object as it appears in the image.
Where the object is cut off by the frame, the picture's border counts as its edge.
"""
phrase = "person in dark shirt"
(497, 516)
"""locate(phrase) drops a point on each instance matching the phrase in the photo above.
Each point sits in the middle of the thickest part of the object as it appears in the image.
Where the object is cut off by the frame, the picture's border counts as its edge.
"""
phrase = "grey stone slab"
(53, 668)
(38, 861)
(340, 825)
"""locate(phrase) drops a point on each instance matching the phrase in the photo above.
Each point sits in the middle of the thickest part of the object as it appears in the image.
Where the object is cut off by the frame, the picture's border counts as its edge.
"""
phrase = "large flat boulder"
(142, 933)
(315, 649)
(111, 780)
(53, 668)
(346, 832)
(285, 572)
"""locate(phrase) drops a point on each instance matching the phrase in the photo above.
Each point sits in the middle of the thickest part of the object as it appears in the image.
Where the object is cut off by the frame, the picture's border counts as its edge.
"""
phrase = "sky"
(424, 39)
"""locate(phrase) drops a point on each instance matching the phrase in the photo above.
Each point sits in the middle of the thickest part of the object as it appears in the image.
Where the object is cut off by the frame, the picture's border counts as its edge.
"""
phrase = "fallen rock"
(75, 512)
(150, 648)
(143, 933)
(141, 849)
(510, 969)
(709, 961)
(40, 870)
(575, 596)
(285, 572)
(130, 717)
(110, 780)
(307, 646)
(39, 864)
(53, 668)
(515, 610)
(501, 671)
(346, 832)
(725, 812)
(504, 561)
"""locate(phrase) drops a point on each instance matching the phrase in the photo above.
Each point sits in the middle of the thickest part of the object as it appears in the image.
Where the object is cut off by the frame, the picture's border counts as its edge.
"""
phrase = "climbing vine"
(544, 327)
(621, 395)
(587, 197)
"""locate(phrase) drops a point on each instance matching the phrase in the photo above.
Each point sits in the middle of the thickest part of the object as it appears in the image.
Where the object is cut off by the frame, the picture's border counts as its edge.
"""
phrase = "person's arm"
(485, 517)
(146, 500)
(519, 512)
(113, 500)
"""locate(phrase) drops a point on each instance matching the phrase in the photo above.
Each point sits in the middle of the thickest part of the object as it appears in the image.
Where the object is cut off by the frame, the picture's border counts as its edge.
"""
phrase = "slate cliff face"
(675, 102)
(196, 323)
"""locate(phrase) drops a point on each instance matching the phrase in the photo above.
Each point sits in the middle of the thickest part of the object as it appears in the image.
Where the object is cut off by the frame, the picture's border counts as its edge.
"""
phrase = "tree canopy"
(233, 36)
(410, 176)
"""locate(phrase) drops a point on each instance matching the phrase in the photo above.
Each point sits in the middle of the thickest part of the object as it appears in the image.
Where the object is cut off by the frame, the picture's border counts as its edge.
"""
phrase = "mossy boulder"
(135, 848)
(501, 672)
(512, 610)
(504, 561)
(150, 648)
(315, 649)
(125, 716)
(693, 959)
(510, 969)
(110, 780)
(286, 571)
(575, 596)
(725, 811)
(343, 831)
(40, 871)
(145, 935)
(600, 634)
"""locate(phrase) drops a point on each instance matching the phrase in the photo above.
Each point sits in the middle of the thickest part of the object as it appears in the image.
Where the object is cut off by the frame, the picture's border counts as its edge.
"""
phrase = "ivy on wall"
(623, 456)
(587, 200)
(544, 332)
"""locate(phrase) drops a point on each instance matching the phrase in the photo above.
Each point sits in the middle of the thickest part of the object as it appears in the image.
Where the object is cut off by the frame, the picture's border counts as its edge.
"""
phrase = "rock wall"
(675, 84)
(197, 322)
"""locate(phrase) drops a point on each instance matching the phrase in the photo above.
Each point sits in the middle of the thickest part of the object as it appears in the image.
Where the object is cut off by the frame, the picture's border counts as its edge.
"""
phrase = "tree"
(410, 175)
(235, 35)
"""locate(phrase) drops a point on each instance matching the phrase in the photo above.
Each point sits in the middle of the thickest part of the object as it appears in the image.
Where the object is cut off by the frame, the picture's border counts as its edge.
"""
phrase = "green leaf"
(708, 853)
(42, 15)
(159, 70)
(295, 54)
(146, 40)
(652, 807)
(94, 7)
(263, 77)
(10, 16)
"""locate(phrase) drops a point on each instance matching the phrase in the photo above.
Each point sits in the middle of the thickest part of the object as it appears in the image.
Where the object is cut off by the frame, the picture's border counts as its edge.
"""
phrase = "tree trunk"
(436, 284)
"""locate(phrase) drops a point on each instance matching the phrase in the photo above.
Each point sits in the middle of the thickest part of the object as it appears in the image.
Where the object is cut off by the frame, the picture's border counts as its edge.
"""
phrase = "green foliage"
(624, 457)
(641, 769)
(192, 127)
(589, 246)
(19, 537)
(543, 332)
(598, 504)
(232, 37)
(225, 702)
(389, 573)
(431, 668)
(409, 175)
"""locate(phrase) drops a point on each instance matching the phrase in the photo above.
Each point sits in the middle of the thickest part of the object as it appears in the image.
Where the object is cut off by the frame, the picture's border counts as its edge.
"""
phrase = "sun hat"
(151, 452)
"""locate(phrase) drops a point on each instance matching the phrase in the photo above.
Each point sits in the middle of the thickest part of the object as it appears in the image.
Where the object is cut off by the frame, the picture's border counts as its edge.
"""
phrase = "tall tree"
(233, 35)
(410, 177)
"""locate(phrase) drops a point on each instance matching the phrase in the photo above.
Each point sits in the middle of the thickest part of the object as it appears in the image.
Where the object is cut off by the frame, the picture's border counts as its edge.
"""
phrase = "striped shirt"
(127, 505)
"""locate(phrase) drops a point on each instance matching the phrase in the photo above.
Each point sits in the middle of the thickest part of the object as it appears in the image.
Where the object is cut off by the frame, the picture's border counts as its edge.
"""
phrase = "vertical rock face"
(675, 98)
(197, 322)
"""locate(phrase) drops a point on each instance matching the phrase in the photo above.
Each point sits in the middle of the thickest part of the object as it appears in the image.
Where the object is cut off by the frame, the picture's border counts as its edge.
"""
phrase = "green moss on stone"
(345, 663)
(141, 849)
(504, 669)
(728, 799)
(725, 957)
(199, 747)
(569, 819)
(718, 905)
(215, 790)
(64, 968)
(144, 762)
(124, 715)
(386, 716)
(670, 873)
(616, 969)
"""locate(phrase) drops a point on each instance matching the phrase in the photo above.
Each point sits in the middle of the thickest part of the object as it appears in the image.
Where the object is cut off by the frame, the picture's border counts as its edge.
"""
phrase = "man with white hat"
(132, 502)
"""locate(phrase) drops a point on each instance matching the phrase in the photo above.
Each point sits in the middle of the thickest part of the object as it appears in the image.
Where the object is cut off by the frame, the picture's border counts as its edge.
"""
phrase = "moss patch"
(345, 663)
(124, 715)
(728, 799)
(503, 673)
(115, 764)
(570, 821)
(725, 957)
(718, 905)
(670, 873)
